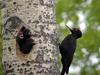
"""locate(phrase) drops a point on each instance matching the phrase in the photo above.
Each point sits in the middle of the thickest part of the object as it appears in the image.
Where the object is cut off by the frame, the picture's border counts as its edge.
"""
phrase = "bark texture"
(39, 17)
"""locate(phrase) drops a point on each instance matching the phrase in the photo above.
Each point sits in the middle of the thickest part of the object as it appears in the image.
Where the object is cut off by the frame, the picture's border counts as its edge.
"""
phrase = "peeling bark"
(39, 17)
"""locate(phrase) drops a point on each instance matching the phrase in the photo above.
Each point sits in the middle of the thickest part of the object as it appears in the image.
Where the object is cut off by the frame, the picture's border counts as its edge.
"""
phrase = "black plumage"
(24, 40)
(67, 49)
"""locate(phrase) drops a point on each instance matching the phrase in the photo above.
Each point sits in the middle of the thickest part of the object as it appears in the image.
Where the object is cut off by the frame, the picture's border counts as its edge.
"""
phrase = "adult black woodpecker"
(67, 48)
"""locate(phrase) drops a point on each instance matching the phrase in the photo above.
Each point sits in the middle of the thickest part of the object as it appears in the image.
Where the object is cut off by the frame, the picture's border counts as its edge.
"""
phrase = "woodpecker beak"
(69, 28)
(20, 35)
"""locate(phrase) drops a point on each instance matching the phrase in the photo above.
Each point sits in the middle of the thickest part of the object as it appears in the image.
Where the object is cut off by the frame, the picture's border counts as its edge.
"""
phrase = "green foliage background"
(0, 43)
(91, 37)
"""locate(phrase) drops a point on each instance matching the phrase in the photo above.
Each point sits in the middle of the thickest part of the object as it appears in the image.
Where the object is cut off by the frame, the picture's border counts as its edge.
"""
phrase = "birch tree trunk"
(39, 17)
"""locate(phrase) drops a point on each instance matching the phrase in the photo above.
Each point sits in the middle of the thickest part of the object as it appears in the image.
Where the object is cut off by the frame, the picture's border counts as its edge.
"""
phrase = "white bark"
(39, 16)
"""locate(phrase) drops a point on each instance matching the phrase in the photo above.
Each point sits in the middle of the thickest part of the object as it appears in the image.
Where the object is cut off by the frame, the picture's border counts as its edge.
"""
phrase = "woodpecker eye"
(75, 29)
(22, 29)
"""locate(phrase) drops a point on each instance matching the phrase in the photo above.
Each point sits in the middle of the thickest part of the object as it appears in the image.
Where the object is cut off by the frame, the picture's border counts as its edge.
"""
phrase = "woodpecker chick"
(24, 40)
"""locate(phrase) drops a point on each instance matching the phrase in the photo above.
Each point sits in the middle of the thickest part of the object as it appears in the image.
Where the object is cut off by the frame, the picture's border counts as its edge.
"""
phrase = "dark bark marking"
(14, 3)
(9, 71)
(47, 5)
(9, 48)
(2, 4)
